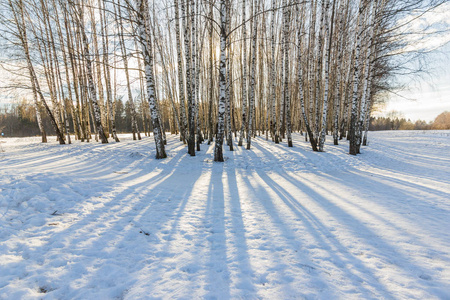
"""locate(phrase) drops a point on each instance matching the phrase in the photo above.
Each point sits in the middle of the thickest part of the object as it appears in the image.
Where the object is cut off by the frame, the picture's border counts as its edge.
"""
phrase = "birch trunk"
(286, 73)
(229, 82)
(193, 104)
(197, 38)
(253, 79)
(165, 71)
(59, 77)
(301, 91)
(183, 122)
(73, 68)
(38, 113)
(211, 80)
(218, 150)
(187, 49)
(338, 89)
(273, 126)
(146, 44)
(244, 75)
(365, 119)
(97, 71)
(344, 122)
(48, 58)
(319, 66)
(66, 66)
(353, 147)
(329, 36)
(106, 69)
(312, 73)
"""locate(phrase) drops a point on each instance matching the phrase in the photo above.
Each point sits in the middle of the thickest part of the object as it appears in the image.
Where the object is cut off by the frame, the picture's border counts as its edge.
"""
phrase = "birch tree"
(244, 75)
(181, 92)
(147, 52)
(286, 90)
(218, 149)
(252, 77)
(353, 148)
(329, 37)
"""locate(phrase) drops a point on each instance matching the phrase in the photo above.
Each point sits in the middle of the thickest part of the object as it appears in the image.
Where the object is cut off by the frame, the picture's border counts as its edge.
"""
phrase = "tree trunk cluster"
(206, 70)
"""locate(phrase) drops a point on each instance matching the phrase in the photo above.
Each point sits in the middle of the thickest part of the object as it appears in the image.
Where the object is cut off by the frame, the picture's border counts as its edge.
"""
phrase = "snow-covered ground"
(93, 221)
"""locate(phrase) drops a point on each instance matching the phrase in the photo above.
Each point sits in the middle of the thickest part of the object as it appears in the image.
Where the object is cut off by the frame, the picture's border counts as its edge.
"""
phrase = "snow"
(109, 221)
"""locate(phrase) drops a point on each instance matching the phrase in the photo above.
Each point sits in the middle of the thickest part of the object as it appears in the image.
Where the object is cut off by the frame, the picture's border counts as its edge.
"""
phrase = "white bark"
(190, 100)
(338, 88)
(181, 92)
(193, 78)
(244, 75)
(312, 68)
(146, 44)
(106, 70)
(252, 78)
(329, 37)
(318, 82)
(272, 77)
(218, 150)
(229, 83)
(353, 149)
(286, 73)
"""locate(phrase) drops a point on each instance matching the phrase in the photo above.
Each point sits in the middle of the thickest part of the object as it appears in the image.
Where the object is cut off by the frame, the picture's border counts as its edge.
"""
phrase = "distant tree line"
(442, 121)
(19, 120)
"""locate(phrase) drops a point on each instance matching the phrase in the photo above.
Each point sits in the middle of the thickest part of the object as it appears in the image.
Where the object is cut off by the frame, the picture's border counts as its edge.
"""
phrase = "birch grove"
(222, 71)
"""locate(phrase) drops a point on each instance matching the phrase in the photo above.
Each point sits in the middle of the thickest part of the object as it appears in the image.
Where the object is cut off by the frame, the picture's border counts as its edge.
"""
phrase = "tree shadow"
(391, 254)
(188, 227)
(103, 227)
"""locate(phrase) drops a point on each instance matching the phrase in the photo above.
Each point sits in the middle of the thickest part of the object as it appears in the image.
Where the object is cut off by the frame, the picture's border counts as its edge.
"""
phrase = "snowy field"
(93, 221)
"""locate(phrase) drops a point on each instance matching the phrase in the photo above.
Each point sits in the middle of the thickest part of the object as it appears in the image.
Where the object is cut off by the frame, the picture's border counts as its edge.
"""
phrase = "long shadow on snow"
(79, 228)
(332, 209)
(425, 165)
(378, 185)
(142, 215)
(267, 203)
(218, 270)
(237, 234)
(62, 157)
(322, 234)
(368, 182)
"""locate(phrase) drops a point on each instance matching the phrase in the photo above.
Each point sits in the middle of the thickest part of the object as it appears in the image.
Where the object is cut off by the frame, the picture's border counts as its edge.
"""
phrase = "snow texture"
(109, 221)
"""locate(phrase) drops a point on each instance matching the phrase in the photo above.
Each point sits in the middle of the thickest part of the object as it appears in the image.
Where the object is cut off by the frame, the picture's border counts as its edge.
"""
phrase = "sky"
(426, 97)
(424, 101)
